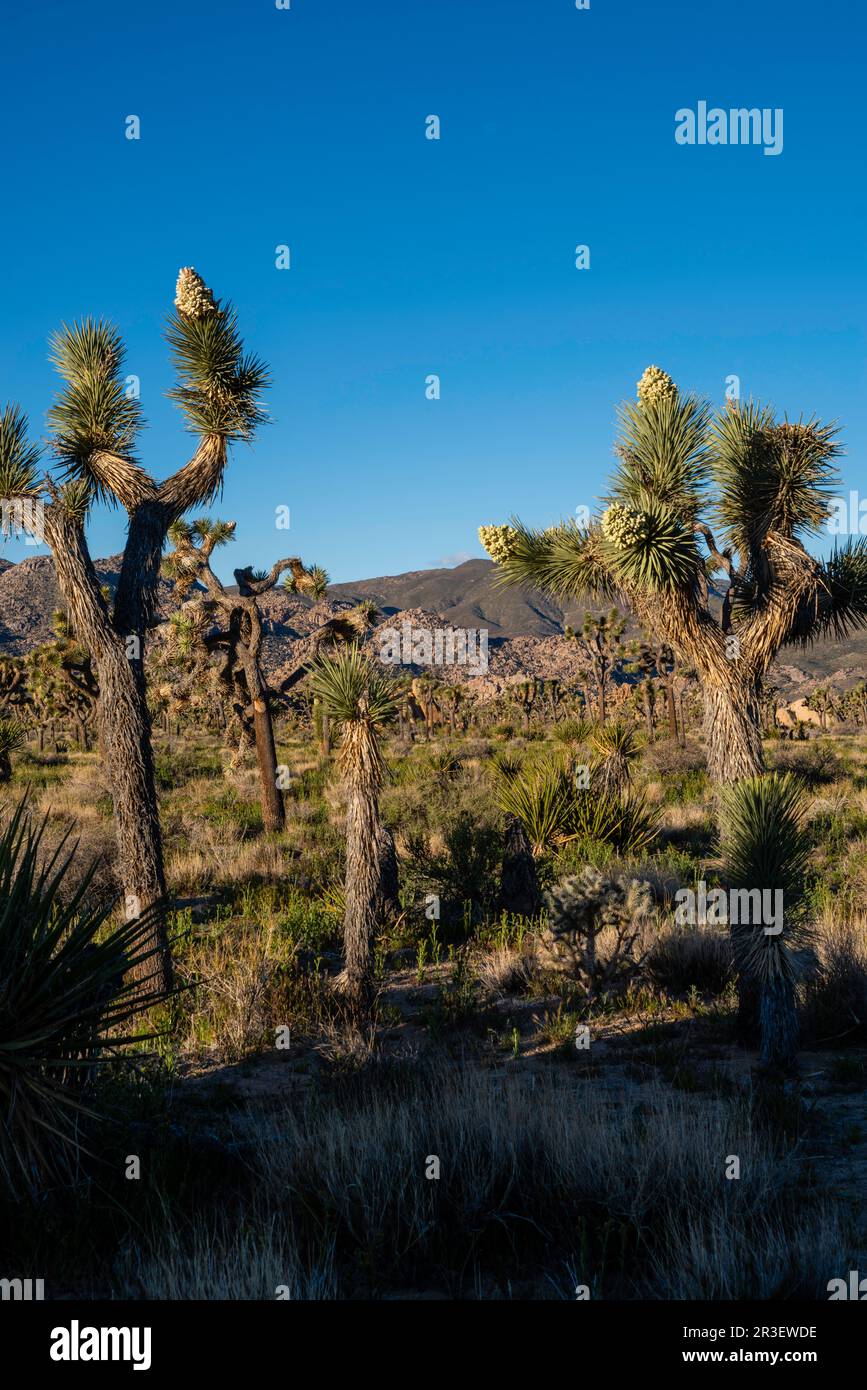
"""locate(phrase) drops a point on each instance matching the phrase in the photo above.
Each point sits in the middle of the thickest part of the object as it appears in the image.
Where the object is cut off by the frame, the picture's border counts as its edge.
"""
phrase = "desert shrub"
(815, 763)
(463, 875)
(683, 958)
(594, 923)
(542, 798)
(627, 824)
(835, 999)
(572, 730)
(670, 759)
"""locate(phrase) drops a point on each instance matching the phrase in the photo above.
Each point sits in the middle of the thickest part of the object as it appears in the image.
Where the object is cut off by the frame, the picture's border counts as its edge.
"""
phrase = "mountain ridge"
(519, 623)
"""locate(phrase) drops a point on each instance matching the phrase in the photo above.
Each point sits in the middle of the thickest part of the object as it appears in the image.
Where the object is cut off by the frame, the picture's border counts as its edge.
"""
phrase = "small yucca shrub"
(766, 846)
(67, 990)
(13, 736)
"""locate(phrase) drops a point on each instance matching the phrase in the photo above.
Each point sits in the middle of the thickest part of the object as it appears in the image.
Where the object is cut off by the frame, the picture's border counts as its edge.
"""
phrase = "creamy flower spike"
(193, 299)
(623, 526)
(497, 541)
(655, 386)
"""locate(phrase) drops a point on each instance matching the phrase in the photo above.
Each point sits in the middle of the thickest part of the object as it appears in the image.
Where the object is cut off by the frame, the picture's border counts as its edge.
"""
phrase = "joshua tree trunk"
(362, 895)
(126, 744)
(778, 1023)
(124, 735)
(672, 712)
(389, 882)
(519, 882)
(733, 732)
(273, 811)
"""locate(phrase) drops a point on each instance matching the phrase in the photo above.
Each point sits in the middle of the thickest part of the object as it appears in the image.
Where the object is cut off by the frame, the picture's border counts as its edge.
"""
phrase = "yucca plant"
(765, 486)
(541, 798)
(96, 425)
(360, 701)
(615, 749)
(625, 822)
(13, 736)
(67, 996)
(765, 846)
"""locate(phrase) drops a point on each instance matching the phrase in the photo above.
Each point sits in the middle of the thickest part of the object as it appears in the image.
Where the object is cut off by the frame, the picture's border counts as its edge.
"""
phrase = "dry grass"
(341, 1198)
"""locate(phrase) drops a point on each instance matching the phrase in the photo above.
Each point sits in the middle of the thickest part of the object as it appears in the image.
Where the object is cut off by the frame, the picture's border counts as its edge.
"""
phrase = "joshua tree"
(766, 847)
(13, 684)
(823, 702)
(359, 700)
(239, 642)
(642, 663)
(856, 702)
(764, 485)
(60, 680)
(600, 650)
(96, 423)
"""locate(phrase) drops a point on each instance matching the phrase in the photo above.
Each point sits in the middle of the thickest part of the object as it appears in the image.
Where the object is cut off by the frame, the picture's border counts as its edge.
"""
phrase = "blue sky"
(262, 127)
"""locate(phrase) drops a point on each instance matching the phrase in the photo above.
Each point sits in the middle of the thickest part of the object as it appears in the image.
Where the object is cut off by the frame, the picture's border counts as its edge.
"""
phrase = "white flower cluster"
(193, 299)
(623, 526)
(498, 541)
(655, 386)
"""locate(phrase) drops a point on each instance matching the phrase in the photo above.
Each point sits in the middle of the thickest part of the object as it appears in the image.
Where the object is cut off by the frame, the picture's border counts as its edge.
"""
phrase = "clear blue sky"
(306, 127)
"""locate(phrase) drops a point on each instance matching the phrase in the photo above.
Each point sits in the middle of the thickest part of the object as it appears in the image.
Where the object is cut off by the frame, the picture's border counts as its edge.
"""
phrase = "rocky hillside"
(525, 630)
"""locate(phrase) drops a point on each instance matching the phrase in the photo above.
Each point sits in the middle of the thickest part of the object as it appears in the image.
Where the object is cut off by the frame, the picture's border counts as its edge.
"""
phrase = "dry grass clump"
(503, 971)
(222, 1256)
(237, 1003)
(629, 1191)
(835, 999)
(685, 957)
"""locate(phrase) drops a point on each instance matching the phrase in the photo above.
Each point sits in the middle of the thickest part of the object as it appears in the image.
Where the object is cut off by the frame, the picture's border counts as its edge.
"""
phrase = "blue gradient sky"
(410, 257)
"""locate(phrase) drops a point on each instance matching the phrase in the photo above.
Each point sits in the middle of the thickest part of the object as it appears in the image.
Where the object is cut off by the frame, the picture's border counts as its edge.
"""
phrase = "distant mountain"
(467, 596)
(525, 629)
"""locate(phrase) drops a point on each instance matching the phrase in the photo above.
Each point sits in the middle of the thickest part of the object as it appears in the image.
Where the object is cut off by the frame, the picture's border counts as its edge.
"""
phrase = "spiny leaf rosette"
(684, 477)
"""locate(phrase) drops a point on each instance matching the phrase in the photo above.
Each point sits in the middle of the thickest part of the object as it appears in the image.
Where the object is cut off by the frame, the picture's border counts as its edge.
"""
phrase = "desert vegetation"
(348, 981)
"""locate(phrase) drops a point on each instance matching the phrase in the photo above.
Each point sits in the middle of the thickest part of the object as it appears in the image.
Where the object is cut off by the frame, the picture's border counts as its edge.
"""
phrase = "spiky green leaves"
(566, 560)
(647, 547)
(663, 448)
(771, 477)
(13, 735)
(96, 421)
(311, 580)
(219, 385)
(844, 577)
(766, 847)
(353, 689)
(68, 993)
(19, 458)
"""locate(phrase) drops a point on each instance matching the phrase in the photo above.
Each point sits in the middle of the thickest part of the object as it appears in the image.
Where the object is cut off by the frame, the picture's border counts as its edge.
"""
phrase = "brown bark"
(273, 810)
(362, 895)
(733, 732)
